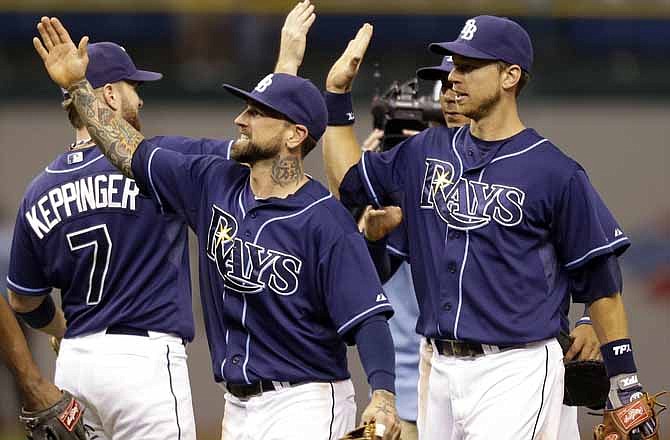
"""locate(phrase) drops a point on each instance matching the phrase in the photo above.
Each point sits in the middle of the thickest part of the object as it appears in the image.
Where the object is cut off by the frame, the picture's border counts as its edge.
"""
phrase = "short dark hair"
(307, 146)
(525, 76)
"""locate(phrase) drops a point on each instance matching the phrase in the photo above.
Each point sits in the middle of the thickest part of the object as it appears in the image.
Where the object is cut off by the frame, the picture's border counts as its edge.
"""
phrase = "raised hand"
(345, 69)
(65, 62)
(294, 37)
(383, 411)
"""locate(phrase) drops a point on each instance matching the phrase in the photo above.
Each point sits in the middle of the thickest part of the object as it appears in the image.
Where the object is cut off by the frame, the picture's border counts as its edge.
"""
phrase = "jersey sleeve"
(377, 179)
(175, 181)
(585, 228)
(26, 275)
(350, 284)
(186, 145)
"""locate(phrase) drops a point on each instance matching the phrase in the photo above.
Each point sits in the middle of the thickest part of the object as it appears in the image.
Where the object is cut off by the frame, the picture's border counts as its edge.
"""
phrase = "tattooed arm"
(115, 137)
(66, 65)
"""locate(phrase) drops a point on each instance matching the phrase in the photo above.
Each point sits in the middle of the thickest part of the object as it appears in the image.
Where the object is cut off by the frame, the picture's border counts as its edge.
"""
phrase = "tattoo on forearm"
(286, 171)
(115, 137)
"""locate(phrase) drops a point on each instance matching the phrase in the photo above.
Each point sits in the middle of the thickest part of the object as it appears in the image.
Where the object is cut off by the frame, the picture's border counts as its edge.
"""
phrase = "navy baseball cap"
(491, 38)
(109, 63)
(436, 73)
(296, 98)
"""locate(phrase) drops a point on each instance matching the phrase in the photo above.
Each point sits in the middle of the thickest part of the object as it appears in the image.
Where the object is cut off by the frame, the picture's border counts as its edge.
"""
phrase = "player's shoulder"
(554, 159)
(329, 214)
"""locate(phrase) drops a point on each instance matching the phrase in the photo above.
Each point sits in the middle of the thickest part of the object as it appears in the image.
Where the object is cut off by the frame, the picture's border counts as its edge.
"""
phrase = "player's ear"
(297, 135)
(510, 76)
(111, 96)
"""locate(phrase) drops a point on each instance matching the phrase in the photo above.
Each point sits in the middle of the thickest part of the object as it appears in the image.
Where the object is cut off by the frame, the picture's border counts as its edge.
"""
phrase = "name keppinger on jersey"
(82, 195)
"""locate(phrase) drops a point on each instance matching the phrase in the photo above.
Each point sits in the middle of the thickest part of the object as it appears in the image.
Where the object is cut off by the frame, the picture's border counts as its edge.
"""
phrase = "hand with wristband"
(629, 412)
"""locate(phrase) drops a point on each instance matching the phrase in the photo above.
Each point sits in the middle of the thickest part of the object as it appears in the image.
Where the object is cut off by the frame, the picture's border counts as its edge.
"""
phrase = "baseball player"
(123, 271)
(285, 276)
(500, 223)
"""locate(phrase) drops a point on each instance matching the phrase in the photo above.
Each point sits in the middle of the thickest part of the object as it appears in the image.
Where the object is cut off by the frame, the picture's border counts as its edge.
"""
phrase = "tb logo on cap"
(469, 30)
(264, 84)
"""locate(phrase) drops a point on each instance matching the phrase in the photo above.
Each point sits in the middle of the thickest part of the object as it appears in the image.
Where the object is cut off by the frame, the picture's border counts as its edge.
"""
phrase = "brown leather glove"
(620, 422)
(62, 421)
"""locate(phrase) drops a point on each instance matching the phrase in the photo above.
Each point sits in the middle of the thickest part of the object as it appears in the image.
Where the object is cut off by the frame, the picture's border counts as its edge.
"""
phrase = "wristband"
(618, 357)
(40, 316)
(340, 109)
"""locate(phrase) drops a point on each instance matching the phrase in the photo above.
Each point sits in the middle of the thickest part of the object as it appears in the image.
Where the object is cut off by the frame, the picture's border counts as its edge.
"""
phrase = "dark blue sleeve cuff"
(375, 348)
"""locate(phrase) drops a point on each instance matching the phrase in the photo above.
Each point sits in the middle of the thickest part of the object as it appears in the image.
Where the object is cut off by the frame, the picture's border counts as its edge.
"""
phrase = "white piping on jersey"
(460, 283)
(396, 251)
(239, 202)
(27, 289)
(467, 234)
(586, 255)
(244, 311)
(367, 180)
(258, 234)
(518, 152)
(346, 324)
(151, 180)
(49, 170)
(230, 144)
(467, 242)
(246, 350)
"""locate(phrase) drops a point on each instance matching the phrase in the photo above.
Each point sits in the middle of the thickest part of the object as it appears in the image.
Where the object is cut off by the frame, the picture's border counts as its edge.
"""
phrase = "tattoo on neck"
(115, 137)
(286, 171)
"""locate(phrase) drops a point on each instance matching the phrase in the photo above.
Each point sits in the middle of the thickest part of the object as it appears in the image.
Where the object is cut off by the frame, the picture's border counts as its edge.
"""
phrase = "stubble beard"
(130, 115)
(484, 109)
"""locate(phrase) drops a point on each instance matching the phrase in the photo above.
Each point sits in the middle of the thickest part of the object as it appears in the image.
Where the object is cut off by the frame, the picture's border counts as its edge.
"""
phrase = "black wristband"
(40, 316)
(618, 357)
(340, 109)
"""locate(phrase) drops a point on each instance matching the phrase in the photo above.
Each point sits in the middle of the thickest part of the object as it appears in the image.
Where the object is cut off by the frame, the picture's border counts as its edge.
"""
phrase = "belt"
(244, 391)
(120, 329)
(448, 347)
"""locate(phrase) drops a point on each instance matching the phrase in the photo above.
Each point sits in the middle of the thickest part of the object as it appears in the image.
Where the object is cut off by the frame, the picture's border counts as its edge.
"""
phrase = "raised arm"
(294, 38)
(341, 149)
(66, 65)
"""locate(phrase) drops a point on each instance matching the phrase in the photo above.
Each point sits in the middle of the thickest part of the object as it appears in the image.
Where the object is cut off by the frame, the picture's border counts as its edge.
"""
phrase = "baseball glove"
(368, 431)
(63, 421)
(618, 424)
(586, 384)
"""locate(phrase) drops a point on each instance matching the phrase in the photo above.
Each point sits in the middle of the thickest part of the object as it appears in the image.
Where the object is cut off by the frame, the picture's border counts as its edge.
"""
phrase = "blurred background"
(599, 90)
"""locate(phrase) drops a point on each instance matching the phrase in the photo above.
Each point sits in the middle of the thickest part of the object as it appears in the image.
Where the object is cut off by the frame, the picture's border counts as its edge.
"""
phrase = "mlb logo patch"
(75, 157)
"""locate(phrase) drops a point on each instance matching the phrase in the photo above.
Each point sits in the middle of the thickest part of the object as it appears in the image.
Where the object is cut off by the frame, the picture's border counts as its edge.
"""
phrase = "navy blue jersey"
(85, 229)
(282, 280)
(494, 227)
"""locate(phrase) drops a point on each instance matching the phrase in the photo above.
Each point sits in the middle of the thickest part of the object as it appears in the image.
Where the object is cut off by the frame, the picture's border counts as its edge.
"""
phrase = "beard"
(130, 115)
(484, 108)
(250, 152)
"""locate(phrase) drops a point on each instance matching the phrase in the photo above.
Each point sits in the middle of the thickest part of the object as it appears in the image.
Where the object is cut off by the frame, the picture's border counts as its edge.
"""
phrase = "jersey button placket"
(451, 267)
(236, 359)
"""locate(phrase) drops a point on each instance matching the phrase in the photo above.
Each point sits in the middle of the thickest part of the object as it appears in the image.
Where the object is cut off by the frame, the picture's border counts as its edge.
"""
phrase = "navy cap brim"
(459, 48)
(249, 97)
(432, 73)
(144, 76)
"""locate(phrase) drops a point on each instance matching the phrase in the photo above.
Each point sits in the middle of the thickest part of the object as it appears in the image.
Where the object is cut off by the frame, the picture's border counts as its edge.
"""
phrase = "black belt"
(120, 329)
(244, 391)
(448, 347)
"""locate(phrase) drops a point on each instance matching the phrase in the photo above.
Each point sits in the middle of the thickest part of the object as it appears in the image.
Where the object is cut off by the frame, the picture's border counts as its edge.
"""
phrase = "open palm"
(343, 72)
(65, 62)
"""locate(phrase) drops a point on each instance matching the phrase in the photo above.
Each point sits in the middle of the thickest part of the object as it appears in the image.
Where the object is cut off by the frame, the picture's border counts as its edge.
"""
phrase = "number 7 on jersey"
(98, 238)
